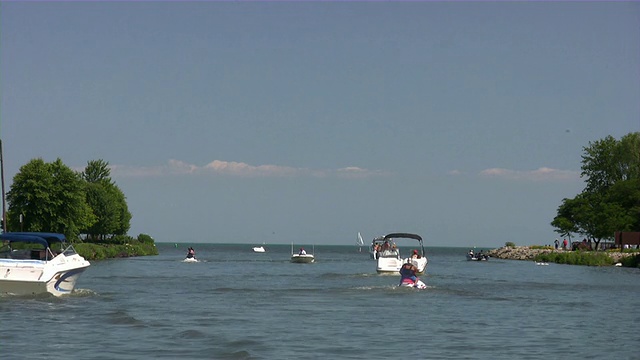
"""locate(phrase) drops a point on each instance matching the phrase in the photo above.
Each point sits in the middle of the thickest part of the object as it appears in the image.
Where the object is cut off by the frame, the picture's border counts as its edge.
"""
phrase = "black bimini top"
(403, 235)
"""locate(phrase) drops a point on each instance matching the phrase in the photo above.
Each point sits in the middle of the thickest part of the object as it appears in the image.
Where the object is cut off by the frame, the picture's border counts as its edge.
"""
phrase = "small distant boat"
(301, 257)
(477, 257)
(539, 263)
(259, 249)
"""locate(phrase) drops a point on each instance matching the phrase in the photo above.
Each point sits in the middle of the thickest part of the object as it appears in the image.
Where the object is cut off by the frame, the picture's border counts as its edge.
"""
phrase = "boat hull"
(259, 249)
(302, 259)
(392, 265)
(39, 277)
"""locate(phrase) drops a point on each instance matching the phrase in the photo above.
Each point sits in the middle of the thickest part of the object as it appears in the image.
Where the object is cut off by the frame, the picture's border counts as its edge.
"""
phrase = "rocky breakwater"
(527, 253)
(518, 252)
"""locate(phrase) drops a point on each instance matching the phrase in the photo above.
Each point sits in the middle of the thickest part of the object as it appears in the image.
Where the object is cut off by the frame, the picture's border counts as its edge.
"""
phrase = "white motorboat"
(389, 259)
(34, 263)
(302, 257)
(259, 249)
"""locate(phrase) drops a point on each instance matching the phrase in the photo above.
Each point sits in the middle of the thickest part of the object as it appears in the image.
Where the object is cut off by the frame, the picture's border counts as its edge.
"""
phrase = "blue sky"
(308, 122)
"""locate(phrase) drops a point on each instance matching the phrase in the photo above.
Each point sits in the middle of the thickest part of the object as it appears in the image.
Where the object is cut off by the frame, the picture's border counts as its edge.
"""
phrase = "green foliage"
(107, 202)
(97, 171)
(51, 197)
(588, 258)
(92, 251)
(631, 261)
(610, 201)
(509, 244)
(541, 247)
(144, 238)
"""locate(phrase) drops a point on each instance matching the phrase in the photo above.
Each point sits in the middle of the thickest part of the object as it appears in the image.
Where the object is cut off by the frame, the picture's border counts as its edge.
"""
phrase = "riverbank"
(92, 251)
(531, 254)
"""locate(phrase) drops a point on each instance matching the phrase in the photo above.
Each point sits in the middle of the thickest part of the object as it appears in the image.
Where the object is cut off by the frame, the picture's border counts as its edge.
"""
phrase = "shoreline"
(527, 253)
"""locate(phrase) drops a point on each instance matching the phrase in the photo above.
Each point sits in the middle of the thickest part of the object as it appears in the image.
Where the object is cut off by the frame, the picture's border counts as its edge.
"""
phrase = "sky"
(308, 122)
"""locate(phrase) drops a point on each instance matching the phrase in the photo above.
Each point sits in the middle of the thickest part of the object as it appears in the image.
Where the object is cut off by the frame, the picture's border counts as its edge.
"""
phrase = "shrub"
(509, 244)
(576, 258)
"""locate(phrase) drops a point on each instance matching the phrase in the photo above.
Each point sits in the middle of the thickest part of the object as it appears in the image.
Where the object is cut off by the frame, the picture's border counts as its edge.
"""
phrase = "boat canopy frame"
(43, 238)
(406, 236)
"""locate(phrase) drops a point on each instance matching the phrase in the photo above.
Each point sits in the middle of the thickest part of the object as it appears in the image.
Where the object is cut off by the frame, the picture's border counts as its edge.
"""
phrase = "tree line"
(52, 197)
(610, 201)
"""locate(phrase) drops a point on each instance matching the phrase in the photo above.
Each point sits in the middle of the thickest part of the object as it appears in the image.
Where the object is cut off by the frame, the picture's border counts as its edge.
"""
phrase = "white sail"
(359, 242)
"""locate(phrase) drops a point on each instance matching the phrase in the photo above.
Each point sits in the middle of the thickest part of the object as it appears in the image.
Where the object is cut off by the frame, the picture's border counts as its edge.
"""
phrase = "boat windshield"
(25, 251)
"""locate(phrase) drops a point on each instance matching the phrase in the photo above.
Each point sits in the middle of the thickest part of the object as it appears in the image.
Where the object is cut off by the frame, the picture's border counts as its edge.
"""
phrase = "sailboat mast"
(4, 204)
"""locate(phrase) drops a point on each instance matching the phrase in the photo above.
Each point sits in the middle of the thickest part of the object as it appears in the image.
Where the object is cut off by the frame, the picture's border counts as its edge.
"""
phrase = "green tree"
(107, 202)
(96, 171)
(565, 222)
(610, 201)
(51, 197)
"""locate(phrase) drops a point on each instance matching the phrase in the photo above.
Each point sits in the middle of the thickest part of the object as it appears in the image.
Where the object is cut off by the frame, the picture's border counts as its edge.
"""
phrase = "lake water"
(236, 304)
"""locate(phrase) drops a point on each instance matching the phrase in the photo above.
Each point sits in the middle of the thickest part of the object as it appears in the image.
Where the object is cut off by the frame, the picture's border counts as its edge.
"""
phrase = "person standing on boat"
(302, 252)
(191, 253)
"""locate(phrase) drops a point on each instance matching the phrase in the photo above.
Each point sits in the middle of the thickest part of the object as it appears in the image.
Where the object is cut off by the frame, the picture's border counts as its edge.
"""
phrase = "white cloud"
(540, 174)
(232, 168)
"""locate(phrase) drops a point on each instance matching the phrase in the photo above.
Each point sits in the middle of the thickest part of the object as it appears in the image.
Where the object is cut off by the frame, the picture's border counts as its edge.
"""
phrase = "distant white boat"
(259, 249)
(301, 256)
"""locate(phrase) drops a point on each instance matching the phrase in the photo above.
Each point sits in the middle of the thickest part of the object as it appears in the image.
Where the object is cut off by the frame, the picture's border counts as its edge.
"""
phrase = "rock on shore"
(526, 253)
(518, 252)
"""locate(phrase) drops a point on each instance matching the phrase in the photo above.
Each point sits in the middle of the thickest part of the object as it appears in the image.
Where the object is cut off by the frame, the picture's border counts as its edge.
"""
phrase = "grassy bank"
(588, 258)
(92, 251)
(118, 247)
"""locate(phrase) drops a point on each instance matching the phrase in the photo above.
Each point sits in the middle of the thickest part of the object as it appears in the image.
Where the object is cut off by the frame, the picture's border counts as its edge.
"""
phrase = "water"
(236, 304)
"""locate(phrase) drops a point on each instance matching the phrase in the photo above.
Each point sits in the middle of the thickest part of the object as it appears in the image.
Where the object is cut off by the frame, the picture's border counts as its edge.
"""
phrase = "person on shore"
(556, 243)
(564, 244)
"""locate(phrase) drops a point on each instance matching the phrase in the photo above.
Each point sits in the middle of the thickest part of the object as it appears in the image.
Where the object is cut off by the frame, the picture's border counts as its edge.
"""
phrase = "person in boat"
(415, 254)
(408, 273)
(302, 252)
(191, 253)
(471, 253)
